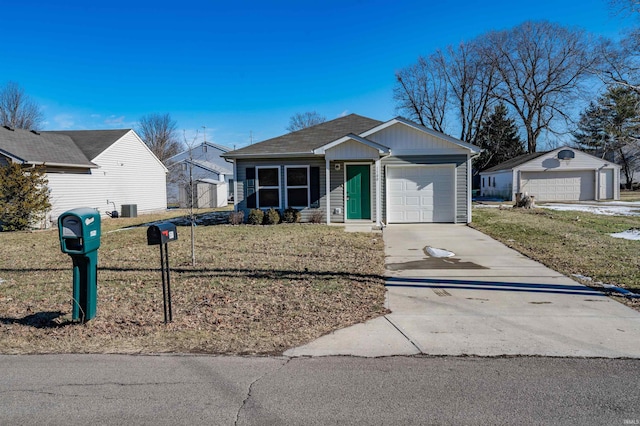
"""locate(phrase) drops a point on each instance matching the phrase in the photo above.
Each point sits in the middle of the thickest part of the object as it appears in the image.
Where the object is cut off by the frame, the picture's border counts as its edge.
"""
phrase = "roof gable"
(542, 159)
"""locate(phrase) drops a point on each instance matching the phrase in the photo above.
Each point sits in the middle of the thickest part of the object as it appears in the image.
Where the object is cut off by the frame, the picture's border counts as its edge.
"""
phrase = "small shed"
(562, 174)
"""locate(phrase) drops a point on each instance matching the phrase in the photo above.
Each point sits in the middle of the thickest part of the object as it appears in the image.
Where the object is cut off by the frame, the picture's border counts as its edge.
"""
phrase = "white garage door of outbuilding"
(421, 193)
(570, 185)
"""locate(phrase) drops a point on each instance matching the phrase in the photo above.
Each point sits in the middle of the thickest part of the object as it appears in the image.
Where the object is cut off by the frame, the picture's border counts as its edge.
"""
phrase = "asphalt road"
(159, 390)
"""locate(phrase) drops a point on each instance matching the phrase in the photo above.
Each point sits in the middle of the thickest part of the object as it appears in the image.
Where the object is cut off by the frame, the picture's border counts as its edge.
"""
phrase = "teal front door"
(358, 192)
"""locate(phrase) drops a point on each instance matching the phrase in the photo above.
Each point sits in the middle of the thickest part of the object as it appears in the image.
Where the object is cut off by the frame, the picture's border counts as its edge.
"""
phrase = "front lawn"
(568, 242)
(254, 290)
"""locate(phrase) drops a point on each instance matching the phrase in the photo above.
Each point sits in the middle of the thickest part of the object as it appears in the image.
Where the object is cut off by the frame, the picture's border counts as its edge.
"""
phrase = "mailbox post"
(80, 233)
(160, 234)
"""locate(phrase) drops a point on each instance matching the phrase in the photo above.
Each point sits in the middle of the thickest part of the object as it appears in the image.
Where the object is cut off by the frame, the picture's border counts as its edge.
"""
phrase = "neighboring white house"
(102, 169)
(202, 170)
(563, 174)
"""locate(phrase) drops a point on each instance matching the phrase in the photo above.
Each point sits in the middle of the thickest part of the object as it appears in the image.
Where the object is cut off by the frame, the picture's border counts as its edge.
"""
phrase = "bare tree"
(303, 120)
(422, 93)
(457, 80)
(17, 109)
(541, 67)
(159, 132)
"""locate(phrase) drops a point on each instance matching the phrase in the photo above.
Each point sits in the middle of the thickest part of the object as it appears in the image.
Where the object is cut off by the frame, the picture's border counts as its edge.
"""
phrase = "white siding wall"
(548, 161)
(404, 140)
(503, 187)
(128, 173)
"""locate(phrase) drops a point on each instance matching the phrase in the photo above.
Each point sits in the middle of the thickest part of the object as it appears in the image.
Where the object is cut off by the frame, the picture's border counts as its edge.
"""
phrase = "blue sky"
(241, 68)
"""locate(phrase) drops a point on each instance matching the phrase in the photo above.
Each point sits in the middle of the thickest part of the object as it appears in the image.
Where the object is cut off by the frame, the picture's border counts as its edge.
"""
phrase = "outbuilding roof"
(515, 162)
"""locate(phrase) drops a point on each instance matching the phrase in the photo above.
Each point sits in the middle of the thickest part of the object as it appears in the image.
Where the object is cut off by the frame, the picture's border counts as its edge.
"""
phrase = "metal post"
(164, 293)
(166, 262)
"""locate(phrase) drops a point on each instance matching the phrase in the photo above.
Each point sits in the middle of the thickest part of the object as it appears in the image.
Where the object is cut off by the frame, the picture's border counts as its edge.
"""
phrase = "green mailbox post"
(80, 234)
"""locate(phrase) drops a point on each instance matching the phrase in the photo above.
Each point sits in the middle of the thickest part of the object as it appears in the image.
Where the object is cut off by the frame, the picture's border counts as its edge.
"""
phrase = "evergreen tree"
(24, 197)
(610, 129)
(499, 139)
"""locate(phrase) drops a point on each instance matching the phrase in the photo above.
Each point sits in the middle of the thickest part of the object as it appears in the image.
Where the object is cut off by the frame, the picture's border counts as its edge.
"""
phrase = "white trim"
(378, 169)
(235, 185)
(344, 179)
(469, 183)
(371, 144)
(279, 187)
(308, 186)
(327, 186)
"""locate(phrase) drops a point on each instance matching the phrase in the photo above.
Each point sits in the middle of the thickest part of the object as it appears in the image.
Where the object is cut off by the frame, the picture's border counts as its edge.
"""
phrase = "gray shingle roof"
(42, 148)
(515, 162)
(93, 142)
(306, 140)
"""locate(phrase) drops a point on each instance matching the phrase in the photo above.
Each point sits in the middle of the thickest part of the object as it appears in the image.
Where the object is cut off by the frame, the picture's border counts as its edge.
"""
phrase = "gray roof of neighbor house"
(93, 142)
(515, 162)
(306, 140)
(42, 148)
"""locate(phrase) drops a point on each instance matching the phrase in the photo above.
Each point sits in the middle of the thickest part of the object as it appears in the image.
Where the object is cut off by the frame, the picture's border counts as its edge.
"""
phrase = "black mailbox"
(161, 233)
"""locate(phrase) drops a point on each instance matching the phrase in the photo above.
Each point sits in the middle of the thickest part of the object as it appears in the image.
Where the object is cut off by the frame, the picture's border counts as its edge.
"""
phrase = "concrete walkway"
(485, 300)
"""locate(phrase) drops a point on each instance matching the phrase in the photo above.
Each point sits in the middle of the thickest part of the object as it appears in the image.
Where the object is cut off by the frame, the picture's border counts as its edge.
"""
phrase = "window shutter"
(250, 187)
(314, 180)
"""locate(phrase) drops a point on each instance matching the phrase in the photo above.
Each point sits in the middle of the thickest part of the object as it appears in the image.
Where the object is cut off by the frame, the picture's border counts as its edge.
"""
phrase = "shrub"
(316, 217)
(271, 217)
(24, 197)
(291, 215)
(255, 217)
(236, 218)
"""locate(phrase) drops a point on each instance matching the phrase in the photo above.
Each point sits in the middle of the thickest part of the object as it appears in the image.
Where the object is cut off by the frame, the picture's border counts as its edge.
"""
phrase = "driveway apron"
(481, 298)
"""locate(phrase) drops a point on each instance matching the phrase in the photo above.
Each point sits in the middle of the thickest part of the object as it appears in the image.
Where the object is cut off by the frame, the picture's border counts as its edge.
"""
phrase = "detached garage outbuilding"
(563, 174)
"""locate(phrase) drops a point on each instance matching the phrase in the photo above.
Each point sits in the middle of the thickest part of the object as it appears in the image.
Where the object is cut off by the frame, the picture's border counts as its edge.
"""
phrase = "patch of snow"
(603, 209)
(436, 252)
(492, 206)
(581, 277)
(631, 234)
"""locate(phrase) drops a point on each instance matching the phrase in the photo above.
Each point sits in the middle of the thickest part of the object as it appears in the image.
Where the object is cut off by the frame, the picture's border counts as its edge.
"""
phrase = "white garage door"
(421, 194)
(559, 186)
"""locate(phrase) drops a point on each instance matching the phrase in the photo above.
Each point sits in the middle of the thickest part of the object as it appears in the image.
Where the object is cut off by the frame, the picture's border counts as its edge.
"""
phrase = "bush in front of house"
(316, 217)
(271, 217)
(236, 218)
(291, 215)
(256, 216)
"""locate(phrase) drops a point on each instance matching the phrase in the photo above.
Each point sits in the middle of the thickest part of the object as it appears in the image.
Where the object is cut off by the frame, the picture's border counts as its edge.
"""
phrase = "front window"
(297, 186)
(268, 187)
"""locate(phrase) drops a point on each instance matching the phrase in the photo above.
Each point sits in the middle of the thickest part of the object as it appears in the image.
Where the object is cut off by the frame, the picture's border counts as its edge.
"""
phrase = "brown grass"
(254, 290)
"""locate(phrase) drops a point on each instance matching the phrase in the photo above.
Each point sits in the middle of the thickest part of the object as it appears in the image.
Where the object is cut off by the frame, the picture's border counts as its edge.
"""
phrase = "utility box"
(161, 233)
(129, 210)
(79, 231)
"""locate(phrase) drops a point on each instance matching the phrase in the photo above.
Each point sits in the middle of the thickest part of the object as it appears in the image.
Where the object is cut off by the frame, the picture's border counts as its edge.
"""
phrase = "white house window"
(297, 186)
(268, 187)
(483, 182)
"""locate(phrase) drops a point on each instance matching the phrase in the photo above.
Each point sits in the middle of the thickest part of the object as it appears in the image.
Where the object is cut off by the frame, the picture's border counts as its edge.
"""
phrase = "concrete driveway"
(485, 300)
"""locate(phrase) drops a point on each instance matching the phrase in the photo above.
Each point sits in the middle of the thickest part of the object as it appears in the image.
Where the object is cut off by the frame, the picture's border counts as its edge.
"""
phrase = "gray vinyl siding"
(460, 162)
(242, 165)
